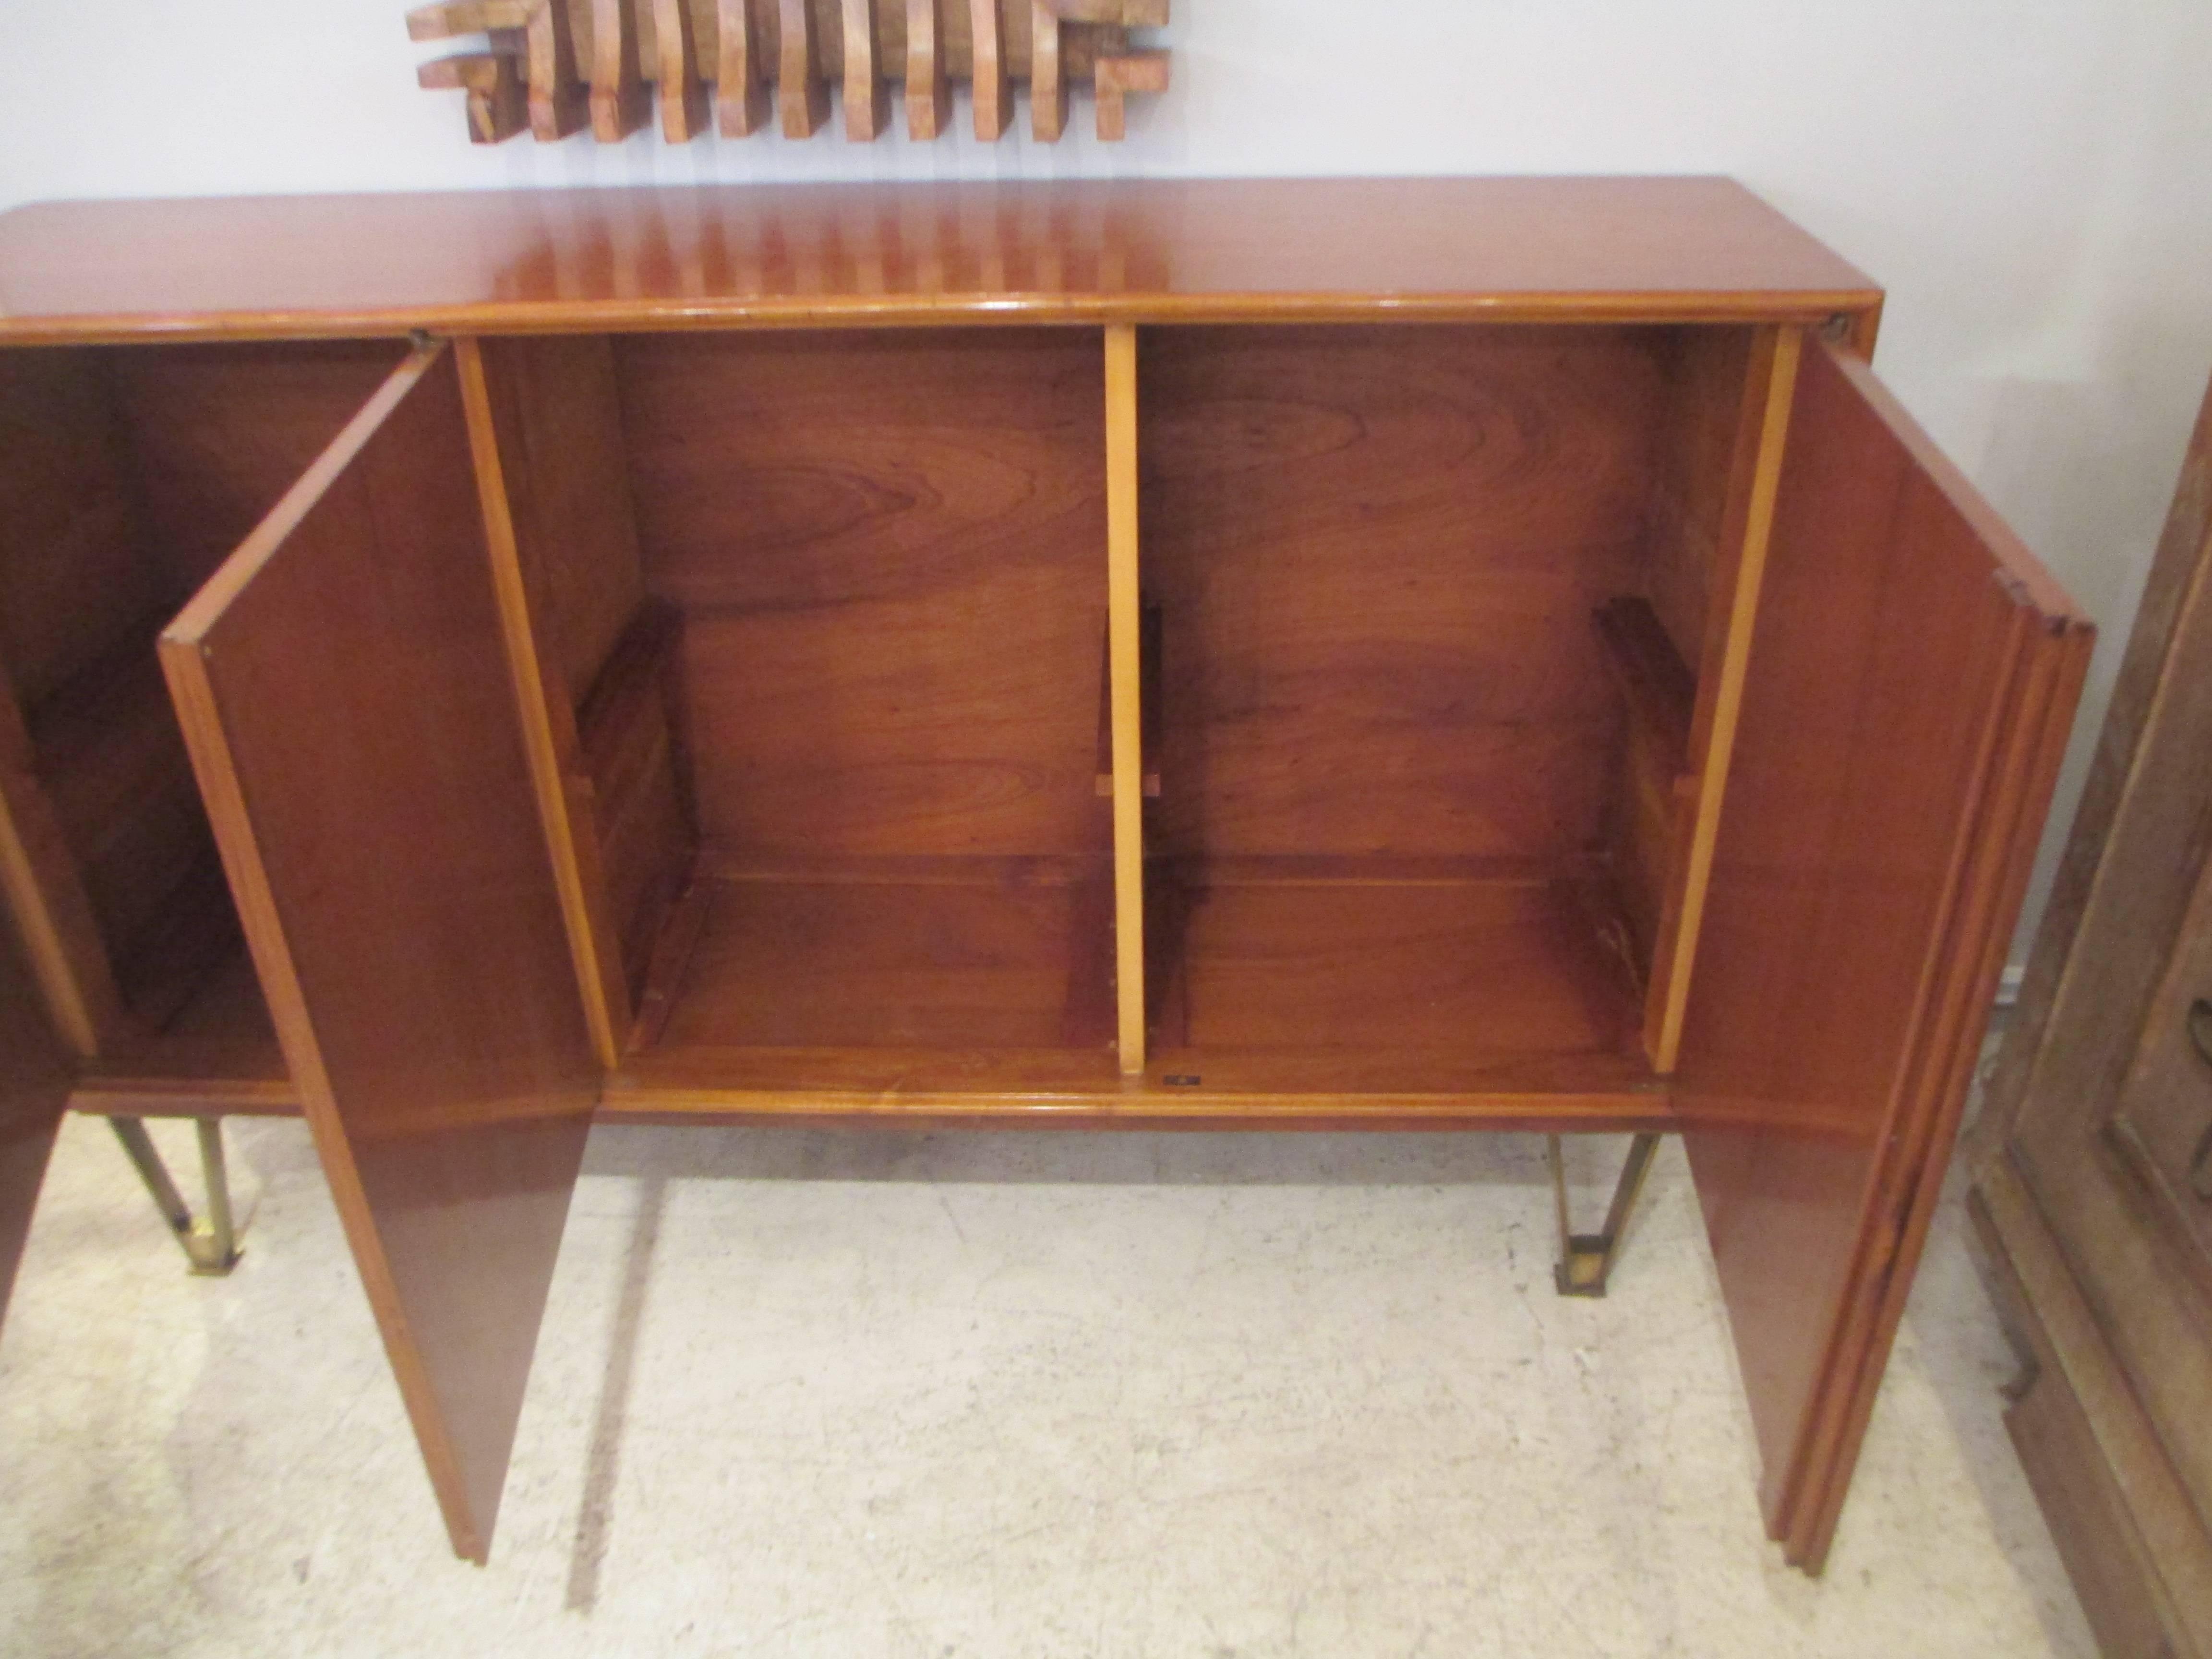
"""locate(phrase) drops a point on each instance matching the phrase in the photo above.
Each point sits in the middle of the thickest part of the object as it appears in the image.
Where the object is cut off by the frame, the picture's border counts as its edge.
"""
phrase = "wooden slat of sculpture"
(928, 94)
(742, 77)
(865, 106)
(802, 97)
(498, 101)
(620, 102)
(1116, 77)
(683, 96)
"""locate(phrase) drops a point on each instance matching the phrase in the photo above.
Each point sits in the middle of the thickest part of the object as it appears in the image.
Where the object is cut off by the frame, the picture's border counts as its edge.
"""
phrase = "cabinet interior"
(126, 475)
(820, 627)
(1424, 610)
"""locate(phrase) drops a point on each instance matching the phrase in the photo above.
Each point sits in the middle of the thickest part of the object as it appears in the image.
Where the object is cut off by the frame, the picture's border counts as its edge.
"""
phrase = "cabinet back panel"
(76, 581)
(219, 433)
(889, 552)
(1376, 552)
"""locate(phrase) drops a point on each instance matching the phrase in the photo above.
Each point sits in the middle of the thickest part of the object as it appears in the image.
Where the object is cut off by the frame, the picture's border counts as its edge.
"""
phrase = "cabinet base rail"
(1586, 1259)
(211, 1245)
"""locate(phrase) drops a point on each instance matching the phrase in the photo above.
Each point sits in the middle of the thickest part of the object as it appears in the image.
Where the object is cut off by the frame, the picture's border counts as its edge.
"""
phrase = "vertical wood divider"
(1735, 609)
(1125, 670)
(549, 730)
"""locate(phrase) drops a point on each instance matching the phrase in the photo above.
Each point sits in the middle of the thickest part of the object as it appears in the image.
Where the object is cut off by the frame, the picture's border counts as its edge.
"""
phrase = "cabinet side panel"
(569, 482)
(345, 690)
(1906, 656)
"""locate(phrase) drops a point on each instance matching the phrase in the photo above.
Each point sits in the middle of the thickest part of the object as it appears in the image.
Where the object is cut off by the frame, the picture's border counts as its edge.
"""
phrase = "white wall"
(2031, 180)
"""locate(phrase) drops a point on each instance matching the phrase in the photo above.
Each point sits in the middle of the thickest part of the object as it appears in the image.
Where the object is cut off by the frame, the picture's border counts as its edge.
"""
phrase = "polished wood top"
(1501, 249)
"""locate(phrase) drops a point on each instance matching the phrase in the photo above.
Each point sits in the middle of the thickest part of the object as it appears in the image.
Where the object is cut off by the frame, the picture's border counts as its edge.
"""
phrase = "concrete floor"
(804, 1393)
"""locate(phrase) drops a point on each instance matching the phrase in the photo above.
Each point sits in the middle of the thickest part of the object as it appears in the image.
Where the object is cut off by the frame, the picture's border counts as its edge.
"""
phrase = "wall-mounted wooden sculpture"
(557, 66)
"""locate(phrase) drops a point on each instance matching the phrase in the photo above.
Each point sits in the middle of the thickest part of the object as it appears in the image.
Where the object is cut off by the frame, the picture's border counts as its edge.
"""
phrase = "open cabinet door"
(35, 1084)
(344, 689)
(1912, 676)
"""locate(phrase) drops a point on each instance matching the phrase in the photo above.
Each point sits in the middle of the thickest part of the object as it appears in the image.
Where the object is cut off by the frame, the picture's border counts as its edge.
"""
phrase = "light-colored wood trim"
(102, 1095)
(184, 666)
(769, 1085)
(1720, 702)
(549, 729)
(1124, 624)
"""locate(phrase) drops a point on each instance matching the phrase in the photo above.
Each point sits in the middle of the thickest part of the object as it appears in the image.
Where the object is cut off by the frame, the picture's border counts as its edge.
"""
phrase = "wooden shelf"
(217, 1053)
(1444, 969)
(957, 957)
(1308, 992)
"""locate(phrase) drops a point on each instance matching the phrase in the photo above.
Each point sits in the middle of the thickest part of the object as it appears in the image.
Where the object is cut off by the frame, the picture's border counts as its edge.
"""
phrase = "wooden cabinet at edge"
(1452, 654)
(2092, 1154)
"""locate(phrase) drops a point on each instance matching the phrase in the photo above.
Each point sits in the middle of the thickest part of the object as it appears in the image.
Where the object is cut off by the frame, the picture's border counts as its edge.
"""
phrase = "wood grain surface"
(217, 435)
(1267, 957)
(891, 557)
(1910, 678)
(965, 955)
(377, 817)
(1503, 249)
(1376, 554)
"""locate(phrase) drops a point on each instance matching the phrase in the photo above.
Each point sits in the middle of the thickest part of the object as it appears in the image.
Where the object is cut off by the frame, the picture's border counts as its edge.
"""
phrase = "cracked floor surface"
(808, 1394)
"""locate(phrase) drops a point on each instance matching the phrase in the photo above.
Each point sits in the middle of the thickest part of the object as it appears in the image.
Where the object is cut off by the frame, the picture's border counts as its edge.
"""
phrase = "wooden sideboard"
(2093, 1153)
(1447, 654)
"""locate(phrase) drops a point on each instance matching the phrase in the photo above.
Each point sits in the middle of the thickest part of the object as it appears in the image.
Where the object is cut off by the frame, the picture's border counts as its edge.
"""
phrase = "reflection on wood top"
(1508, 249)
